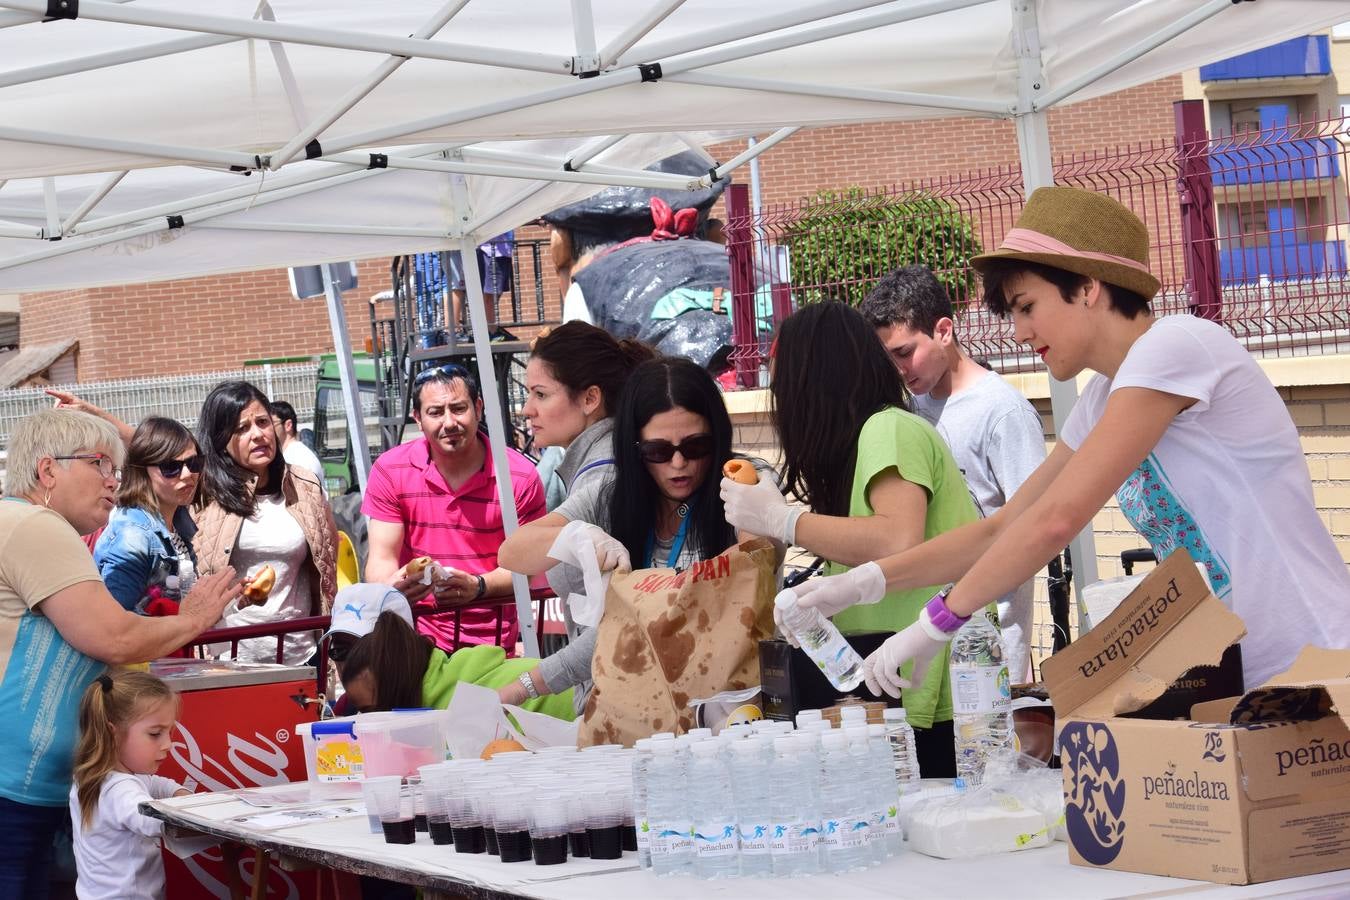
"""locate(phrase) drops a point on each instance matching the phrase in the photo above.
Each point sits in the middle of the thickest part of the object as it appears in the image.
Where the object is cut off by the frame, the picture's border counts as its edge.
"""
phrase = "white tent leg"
(492, 407)
(351, 394)
(1033, 146)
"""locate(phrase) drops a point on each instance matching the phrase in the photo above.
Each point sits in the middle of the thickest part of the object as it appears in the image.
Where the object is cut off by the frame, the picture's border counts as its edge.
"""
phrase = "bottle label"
(980, 689)
(831, 652)
(643, 830)
(890, 823)
(790, 838)
(670, 840)
(715, 839)
(843, 833)
(754, 838)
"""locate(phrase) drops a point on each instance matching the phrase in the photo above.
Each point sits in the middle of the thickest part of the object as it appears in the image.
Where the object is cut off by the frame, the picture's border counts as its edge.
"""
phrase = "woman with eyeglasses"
(254, 510)
(671, 437)
(876, 479)
(59, 626)
(145, 553)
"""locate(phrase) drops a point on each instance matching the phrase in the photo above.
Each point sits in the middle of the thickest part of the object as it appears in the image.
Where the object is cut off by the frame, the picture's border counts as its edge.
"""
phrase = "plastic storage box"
(341, 753)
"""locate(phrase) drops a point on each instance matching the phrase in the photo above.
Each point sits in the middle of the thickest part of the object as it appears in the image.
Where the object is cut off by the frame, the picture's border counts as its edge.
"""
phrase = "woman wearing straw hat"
(1179, 423)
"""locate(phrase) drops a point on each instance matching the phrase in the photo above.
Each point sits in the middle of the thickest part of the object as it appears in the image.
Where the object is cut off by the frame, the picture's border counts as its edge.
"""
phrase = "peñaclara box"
(1250, 789)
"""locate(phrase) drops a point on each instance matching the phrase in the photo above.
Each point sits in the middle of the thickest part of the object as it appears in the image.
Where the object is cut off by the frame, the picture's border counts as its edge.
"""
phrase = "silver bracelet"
(528, 684)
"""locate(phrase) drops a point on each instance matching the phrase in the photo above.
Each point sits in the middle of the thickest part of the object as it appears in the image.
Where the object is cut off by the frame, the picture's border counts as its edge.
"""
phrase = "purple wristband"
(943, 618)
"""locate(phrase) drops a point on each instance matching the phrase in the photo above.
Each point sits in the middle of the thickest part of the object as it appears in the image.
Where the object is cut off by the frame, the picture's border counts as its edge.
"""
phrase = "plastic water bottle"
(817, 635)
(672, 849)
(874, 800)
(794, 813)
(887, 788)
(904, 753)
(750, 787)
(716, 849)
(843, 823)
(981, 697)
(641, 763)
(853, 714)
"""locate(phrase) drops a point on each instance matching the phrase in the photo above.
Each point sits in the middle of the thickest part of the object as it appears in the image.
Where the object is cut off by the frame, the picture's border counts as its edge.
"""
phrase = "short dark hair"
(910, 296)
(285, 412)
(156, 440)
(447, 374)
(579, 355)
(997, 273)
(224, 481)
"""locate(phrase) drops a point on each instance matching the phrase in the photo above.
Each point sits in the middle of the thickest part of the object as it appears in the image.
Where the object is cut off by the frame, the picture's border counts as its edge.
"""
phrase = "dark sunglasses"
(696, 446)
(171, 468)
(450, 371)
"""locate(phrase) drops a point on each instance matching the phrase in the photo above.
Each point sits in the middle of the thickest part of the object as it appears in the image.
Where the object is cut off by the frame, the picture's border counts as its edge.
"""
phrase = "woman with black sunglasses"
(672, 436)
(145, 553)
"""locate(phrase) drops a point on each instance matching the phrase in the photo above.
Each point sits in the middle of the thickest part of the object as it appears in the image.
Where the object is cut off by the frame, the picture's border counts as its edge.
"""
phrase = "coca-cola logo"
(262, 763)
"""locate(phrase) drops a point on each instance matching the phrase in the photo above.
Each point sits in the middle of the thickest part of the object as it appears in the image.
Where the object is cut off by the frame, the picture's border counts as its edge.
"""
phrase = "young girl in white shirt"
(125, 722)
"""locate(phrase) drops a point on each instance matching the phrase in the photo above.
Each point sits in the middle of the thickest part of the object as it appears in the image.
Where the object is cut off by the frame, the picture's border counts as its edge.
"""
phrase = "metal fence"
(1249, 229)
(176, 396)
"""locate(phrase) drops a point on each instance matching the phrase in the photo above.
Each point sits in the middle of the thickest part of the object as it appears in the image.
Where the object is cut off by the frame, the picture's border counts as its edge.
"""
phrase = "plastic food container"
(341, 753)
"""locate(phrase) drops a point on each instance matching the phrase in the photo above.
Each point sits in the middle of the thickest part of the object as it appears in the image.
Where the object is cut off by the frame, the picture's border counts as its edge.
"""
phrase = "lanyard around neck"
(676, 547)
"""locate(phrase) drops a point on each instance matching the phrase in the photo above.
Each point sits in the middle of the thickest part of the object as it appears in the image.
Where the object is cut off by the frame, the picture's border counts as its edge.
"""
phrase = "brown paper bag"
(667, 638)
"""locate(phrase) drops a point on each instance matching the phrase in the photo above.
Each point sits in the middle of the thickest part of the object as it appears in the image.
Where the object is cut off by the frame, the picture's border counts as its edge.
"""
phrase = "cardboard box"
(1253, 788)
(790, 682)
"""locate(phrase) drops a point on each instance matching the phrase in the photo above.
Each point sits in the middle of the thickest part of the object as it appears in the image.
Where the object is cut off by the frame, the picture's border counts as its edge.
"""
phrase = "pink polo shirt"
(460, 529)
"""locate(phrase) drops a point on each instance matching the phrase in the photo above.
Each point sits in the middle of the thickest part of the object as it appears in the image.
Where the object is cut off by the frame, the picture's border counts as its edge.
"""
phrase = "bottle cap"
(808, 715)
(895, 714)
(786, 597)
(747, 748)
(852, 714)
(699, 734)
(663, 736)
(876, 730)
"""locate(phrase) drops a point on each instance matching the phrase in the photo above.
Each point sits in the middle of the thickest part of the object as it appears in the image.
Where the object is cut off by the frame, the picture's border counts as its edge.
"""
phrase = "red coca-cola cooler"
(236, 729)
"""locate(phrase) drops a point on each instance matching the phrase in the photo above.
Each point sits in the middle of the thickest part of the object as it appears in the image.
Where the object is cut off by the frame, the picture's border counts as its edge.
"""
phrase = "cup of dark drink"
(385, 799)
(436, 790)
(511, 820)
(549, 829)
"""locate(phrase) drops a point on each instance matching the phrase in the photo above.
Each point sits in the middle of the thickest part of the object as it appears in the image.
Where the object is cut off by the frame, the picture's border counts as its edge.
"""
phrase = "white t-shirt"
(117, 856)
(297, 454)
(272, 536)
(1228, 482)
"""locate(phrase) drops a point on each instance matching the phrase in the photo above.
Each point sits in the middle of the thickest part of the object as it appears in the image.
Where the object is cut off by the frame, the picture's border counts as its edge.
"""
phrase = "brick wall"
(218, 322)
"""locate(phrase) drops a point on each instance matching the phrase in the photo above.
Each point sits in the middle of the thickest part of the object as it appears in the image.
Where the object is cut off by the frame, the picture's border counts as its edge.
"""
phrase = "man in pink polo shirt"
(437, 497)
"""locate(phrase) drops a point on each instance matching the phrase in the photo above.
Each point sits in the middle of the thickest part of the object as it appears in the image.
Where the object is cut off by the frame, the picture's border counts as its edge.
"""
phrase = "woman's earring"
(47, 500)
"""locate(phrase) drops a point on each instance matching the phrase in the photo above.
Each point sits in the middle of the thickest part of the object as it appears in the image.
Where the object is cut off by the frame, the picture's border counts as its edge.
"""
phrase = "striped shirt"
(460, 529)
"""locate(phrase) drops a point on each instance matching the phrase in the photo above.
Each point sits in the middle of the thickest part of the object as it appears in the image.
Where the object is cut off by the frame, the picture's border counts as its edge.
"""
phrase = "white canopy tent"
(154, 139)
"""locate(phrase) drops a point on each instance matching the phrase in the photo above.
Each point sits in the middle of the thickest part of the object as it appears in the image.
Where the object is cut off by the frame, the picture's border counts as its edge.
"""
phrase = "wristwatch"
(482, 587)
(528, 684)
(940, 616)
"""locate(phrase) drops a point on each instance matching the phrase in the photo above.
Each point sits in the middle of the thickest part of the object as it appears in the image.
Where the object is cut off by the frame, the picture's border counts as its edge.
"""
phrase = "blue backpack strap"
(593, 464)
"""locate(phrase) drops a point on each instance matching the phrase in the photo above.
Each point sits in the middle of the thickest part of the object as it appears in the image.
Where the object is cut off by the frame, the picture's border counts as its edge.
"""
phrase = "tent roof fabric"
(18, 367)
(483, 118)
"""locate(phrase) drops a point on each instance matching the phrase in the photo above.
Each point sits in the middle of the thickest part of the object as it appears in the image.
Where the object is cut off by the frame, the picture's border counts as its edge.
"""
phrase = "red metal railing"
(1250, 229)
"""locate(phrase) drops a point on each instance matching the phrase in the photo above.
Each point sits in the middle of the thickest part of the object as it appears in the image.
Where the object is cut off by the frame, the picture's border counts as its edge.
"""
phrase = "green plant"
(846, 240)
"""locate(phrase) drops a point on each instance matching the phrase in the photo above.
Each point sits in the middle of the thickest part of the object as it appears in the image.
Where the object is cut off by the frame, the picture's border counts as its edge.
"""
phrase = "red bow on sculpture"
(671, 226)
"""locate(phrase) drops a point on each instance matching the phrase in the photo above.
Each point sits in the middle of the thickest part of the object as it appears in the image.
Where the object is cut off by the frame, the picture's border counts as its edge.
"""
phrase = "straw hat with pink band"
(1083, 232)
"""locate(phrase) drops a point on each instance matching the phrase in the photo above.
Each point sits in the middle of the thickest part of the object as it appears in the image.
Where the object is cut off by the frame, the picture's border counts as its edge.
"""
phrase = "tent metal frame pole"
(214, 158)
(470, 154)
(742, 30)
(635, 179)
(492, 406)
(988, 108)
(359, 92)
(132, 14)
(576, 161)
(91, 201)
(113, 58)
(19, 230)
(569, 91)
(437, 234)
(749, 153)
(9, 20)
(51, 207)
(583, 33)
(289, 83)
(1038, 170)
(616, 48)
(342, 351)
(1130, 54)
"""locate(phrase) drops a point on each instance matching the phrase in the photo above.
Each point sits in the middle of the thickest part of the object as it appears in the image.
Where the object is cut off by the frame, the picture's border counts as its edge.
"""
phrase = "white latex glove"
(760, 508)
(610, 553)
(833, 594)
(920, 642)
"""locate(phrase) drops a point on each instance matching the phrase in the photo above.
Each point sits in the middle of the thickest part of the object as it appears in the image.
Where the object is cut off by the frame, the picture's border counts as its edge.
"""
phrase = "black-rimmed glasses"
(106, 467)
(696, 446)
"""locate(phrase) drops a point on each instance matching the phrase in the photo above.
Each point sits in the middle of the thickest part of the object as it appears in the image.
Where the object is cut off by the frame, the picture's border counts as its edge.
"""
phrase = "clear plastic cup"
(436, 791)
(549, 829)
(412, 785)
(604, 824)
(385, 798)
(511, 821)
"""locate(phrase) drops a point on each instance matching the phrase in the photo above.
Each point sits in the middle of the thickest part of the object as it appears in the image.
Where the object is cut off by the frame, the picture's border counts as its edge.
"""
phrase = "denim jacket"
(135, 554)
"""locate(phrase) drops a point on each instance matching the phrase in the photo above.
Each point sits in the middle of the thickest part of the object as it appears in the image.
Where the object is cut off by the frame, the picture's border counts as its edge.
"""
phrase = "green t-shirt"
(486, 665)
(897, 440)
